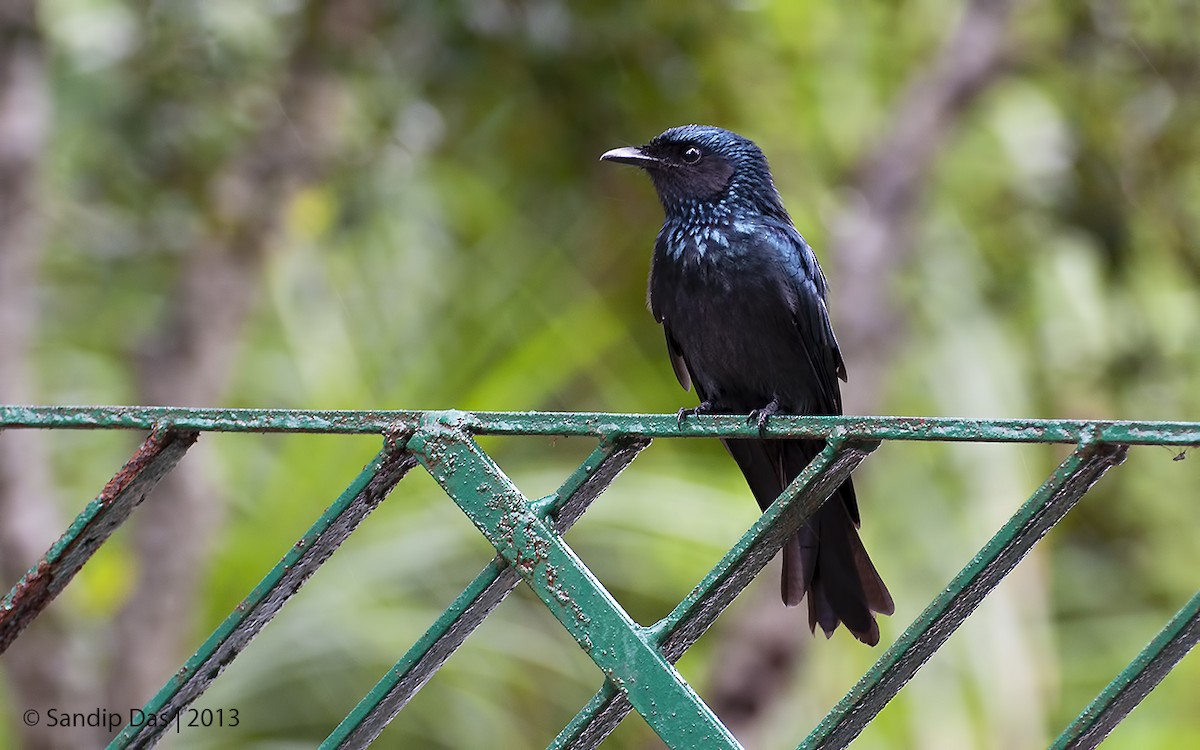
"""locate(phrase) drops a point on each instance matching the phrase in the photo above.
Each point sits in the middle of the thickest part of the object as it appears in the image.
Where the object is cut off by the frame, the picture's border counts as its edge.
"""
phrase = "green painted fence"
(636, 660)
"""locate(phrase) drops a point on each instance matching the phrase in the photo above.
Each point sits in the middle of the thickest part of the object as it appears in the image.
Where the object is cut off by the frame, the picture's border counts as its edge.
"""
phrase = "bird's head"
(693, 166)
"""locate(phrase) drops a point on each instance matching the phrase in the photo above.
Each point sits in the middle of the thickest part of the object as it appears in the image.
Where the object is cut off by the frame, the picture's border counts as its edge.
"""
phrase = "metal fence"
(636, 660)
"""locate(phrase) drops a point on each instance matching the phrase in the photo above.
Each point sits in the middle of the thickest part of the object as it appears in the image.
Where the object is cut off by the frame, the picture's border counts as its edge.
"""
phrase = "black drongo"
(742, 301)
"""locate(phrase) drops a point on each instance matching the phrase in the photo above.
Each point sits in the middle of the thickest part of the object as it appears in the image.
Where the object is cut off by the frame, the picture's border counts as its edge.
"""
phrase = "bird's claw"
(703, 408)
(760, 416)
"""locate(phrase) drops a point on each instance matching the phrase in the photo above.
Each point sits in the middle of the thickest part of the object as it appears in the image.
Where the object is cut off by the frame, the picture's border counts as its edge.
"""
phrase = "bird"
(742, 302)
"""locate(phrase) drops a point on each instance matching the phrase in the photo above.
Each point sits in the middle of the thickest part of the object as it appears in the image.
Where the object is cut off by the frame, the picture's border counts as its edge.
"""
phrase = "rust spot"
(31, 594)
(127, 487)
(147, 452)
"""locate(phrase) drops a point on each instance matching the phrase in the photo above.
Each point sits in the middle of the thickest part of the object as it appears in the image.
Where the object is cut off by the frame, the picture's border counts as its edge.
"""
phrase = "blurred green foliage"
(467, 250)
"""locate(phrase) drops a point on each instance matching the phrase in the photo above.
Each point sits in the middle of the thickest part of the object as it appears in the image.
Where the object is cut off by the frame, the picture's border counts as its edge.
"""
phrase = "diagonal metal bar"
(156, 456)
(1135, 682)
(799, 501)
(362, 496)
(625, 652)
(688, 621)
(368, 719)
(1058, 494)
(1069, 431)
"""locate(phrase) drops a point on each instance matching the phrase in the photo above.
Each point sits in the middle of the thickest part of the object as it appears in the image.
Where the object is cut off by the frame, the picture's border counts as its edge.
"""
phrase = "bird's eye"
(691, 155)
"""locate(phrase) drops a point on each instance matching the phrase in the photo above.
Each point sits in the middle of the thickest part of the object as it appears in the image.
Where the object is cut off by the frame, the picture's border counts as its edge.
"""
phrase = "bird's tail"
(825, 560)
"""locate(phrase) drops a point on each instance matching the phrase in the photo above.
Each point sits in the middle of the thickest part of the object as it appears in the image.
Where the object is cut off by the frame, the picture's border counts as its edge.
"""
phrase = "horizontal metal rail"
(599, 424)
(636, 660)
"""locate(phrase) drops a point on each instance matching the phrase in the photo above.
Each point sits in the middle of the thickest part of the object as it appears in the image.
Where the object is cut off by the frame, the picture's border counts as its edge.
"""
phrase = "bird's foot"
(762, 415)
(703, 408)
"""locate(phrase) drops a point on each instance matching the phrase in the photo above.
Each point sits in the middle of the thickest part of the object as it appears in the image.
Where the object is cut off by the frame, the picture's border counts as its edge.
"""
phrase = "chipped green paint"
(624, 651)
(495, 582)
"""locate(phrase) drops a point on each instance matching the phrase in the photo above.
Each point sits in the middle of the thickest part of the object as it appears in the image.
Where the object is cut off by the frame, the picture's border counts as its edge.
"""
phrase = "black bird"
(741, 299)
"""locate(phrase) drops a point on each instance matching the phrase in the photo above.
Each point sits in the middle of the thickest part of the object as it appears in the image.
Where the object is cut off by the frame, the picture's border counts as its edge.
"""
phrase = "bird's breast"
(700, 247)
(728, 312)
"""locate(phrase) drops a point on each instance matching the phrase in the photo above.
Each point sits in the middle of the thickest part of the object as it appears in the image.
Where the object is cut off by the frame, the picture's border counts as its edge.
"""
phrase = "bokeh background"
(378, 204)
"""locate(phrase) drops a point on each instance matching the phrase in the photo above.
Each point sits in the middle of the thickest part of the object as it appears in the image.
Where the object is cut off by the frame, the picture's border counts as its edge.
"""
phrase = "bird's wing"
(678, 364)
(804, 290)
(655, 294)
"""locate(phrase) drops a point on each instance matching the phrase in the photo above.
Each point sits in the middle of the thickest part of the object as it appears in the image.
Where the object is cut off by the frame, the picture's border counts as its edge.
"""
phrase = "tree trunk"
(189, 357)
(43, 671)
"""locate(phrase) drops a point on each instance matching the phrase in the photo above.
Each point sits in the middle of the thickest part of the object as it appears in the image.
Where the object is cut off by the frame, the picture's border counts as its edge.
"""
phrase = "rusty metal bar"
(156, 456)
(367, 490)
(1058, 494)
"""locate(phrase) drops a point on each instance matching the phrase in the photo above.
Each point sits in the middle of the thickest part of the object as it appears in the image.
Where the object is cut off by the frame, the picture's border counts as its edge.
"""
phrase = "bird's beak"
(629, 155)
